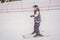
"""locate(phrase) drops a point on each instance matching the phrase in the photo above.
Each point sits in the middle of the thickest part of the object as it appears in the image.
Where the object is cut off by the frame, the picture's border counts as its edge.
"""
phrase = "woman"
(37, 21)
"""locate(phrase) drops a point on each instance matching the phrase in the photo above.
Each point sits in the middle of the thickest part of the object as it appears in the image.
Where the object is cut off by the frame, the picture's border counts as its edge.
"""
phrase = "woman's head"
(35, 7)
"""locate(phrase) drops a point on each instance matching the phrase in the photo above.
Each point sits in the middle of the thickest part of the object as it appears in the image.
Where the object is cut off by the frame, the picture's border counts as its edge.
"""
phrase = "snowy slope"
(14, 22)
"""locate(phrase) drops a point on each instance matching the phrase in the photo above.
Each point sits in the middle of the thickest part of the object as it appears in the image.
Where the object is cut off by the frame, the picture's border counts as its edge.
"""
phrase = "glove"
(32, 16)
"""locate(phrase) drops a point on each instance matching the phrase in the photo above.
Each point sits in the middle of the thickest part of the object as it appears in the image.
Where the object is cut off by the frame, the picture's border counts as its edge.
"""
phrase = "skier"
(37, 21)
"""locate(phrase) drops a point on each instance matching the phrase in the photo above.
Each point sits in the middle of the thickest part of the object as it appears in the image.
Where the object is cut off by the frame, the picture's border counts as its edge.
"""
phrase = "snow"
(13, 25)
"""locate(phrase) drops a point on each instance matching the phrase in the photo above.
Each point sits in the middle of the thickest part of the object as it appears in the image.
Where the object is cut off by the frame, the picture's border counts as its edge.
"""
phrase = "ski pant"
(36, 28)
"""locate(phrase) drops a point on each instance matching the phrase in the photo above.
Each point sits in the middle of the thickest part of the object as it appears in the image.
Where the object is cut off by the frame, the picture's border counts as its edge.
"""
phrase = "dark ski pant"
(36, 28)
